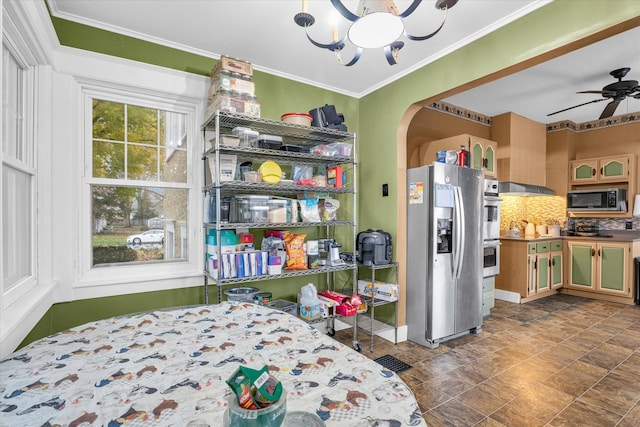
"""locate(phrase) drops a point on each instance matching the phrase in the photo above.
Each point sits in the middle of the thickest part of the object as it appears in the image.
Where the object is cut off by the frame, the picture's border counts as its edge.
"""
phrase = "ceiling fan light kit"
(616, 92)
(376, 24)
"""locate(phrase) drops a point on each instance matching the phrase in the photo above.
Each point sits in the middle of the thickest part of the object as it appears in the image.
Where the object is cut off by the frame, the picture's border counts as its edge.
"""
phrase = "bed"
(168, 367)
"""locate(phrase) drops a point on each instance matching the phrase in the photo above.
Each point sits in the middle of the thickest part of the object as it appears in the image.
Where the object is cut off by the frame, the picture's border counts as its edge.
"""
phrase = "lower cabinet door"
(543, 272)
(613, 268)
(582, 265)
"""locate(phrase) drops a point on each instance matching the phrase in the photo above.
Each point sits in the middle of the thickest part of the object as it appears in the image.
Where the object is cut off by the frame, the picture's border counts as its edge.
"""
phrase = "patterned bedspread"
(168, 367)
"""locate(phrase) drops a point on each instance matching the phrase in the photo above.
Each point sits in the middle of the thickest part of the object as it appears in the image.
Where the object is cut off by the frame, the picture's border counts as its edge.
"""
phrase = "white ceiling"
(264, 33)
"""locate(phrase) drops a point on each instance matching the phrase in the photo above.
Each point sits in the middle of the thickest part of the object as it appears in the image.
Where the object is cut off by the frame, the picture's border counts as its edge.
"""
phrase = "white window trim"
(88, 275)
(28, 165)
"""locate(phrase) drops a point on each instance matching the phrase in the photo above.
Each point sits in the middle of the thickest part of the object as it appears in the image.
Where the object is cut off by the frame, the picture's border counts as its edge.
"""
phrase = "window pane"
(140, 154)
(12, 106)
(16, 227)
(130, 224)
(108, 120)
(175, 167)
(142, 125)
(108, 159)
(142, 163)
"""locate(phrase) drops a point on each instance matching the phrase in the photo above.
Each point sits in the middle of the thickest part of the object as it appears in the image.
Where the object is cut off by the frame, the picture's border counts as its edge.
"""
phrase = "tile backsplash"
(538, 209)
(616, 223)
(546, 209)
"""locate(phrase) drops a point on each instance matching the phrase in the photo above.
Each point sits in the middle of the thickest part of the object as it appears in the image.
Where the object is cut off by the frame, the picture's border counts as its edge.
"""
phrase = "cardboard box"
(384, 291)
(232, 64)
(327, 307)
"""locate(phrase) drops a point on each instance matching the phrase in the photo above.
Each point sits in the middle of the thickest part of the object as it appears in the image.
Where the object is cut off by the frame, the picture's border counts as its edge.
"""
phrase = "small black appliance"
(326, 117)
(374, 247)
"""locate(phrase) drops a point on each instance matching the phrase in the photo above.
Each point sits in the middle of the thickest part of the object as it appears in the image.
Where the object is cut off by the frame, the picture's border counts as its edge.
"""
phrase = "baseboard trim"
(507, 296)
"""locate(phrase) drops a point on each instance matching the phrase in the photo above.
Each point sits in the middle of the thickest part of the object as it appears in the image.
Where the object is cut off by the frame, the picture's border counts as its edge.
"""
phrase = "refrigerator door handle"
(461, 231)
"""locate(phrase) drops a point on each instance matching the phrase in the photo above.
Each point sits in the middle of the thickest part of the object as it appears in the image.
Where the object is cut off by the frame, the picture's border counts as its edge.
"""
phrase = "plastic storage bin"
(278, 210)
(284, 305)
(250, 208)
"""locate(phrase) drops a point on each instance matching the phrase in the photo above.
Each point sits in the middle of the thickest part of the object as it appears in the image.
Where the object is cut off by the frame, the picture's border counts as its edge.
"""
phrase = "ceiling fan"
(616, 92)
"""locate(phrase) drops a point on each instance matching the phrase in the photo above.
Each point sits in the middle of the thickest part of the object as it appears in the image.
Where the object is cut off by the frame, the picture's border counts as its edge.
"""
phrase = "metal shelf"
(290, 156)
(304, 134)
(306, 137)
(232, 225)
(372, 325)
(276, 188)
(219, 283)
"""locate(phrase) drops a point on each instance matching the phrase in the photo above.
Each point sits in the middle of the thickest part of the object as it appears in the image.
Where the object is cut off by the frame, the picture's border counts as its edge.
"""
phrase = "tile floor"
(557, 361)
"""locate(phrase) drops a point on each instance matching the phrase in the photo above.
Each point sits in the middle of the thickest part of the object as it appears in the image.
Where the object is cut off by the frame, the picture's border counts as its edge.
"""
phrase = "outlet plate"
(628, 225)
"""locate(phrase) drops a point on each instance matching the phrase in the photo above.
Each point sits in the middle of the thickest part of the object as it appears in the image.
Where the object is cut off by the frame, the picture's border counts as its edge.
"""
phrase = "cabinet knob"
(598, 252)
(552, 262)
(593, 172)
(601, 171)
(593, 252)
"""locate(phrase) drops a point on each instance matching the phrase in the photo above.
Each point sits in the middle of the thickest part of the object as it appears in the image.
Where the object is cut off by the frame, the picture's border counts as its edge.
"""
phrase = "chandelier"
(376, 23)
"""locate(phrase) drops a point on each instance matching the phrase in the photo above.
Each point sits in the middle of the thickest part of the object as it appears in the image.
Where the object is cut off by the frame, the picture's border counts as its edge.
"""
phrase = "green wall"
(374, 118)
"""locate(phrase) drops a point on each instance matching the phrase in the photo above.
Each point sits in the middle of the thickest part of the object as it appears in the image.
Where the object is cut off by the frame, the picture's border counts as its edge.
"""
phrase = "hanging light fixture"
(376, 23)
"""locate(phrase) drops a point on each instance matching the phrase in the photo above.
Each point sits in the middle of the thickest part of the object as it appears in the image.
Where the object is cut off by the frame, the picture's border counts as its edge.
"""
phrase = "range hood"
(518, 189)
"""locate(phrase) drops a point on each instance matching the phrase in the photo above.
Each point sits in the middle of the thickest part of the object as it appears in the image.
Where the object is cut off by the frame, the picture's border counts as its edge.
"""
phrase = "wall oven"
(491, 255)
(491, 228)
(491, 217)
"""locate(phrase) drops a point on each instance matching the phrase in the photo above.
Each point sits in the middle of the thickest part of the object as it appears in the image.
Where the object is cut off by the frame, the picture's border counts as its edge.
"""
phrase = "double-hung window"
(18, 232)
(137, 179)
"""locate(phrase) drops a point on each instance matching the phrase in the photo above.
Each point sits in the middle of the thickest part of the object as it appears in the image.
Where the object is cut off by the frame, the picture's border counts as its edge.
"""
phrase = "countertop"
(605, 235)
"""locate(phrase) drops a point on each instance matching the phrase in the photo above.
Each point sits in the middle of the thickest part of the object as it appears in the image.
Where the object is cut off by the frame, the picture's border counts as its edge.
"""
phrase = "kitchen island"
(599, 267)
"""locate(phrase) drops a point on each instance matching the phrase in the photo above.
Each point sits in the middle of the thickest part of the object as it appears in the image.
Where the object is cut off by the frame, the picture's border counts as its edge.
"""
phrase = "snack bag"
(294, 244)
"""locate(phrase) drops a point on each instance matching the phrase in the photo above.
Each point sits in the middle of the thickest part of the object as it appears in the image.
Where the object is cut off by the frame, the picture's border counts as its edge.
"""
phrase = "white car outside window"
(149, 236)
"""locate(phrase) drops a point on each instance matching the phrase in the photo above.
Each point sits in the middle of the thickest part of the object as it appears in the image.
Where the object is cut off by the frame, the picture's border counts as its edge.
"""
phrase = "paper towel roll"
(636, 206)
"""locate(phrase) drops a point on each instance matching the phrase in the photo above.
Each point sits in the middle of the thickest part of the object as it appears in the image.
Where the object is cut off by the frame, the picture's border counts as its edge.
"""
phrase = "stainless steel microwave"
(602, 199)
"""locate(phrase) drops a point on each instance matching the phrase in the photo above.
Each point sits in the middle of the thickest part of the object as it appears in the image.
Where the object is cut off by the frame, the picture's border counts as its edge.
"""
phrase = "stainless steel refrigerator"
(444, 253)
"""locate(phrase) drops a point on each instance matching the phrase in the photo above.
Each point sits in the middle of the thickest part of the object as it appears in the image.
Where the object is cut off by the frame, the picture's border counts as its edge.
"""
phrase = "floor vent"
(392, 364)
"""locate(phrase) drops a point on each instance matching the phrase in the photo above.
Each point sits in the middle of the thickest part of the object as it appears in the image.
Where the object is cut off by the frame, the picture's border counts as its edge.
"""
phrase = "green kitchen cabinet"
(601, 169)
(582, 265)
(613, 266)
(525, 268)
(538, 266)
(599, 267)
(483, 155)
(614, 168)
(584, 171)
(556, 277)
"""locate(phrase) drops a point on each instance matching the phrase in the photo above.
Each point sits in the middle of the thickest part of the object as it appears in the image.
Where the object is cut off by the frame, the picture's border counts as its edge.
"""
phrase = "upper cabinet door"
(614, 168)
(483, 156)
(584, 171)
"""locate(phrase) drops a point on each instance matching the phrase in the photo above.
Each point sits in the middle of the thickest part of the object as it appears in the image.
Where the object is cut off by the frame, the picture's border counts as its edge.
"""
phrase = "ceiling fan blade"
(602, 92)
(575, 106)
(610, 108)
